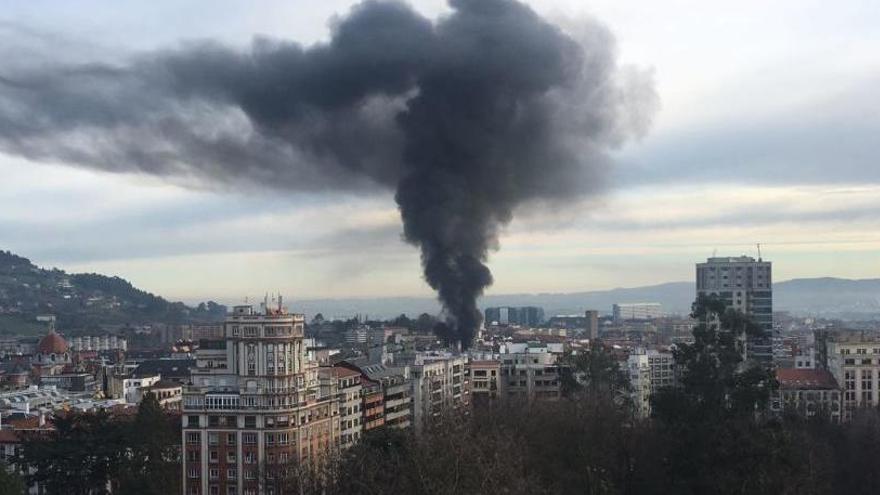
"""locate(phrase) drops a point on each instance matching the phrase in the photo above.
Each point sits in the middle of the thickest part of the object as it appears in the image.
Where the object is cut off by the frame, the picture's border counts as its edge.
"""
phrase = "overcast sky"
(768, 132)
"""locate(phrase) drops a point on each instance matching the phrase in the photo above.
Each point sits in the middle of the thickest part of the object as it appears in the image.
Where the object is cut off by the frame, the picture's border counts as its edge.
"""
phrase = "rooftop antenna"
(759, 251)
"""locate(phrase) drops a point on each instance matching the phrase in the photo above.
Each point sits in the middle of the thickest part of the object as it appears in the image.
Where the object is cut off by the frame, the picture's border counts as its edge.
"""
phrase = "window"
(230, 457)
(249, 438)
(214, 456)
(193, 472)
(230, 439)
(192, 456)
(213, 473)
(214, 421)
(193, 437)
(231, 474)
(214, 490)
(192, 421)
(213, 438)
(250, 421)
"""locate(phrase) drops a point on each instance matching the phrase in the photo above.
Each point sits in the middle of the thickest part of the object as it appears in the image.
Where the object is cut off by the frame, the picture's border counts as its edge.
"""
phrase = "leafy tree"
(81, 456)
(10, 482)
(594, 373)
(151, 467)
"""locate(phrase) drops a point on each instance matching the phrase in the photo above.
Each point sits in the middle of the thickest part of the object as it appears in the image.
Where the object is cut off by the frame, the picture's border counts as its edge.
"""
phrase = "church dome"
(52, 344)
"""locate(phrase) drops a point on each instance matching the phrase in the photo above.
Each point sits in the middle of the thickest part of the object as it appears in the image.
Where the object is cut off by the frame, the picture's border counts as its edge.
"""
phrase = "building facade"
(529, 316)
(808, 392)
(744, 284)
(439, 387)
(649, 371)
(636, 311)
(853, 359)
(255, 402)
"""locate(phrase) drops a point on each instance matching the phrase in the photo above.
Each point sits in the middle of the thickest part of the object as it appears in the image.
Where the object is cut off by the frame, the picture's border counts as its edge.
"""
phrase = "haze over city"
(749, 143)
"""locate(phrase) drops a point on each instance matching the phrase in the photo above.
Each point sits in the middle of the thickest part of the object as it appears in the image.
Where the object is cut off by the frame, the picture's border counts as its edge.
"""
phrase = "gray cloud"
(468, 119)
(822, 141)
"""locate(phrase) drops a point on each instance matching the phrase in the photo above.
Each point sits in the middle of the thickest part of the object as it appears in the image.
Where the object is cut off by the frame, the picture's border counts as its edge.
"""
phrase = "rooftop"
(797, 379)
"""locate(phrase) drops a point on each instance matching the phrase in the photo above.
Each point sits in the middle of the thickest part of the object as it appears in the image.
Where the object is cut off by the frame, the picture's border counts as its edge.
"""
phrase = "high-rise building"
(529, 316)
(592, 328)
(255, 401)
(745, 284)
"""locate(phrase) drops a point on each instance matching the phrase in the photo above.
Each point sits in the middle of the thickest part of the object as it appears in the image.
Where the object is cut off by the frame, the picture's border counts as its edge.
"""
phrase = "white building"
(129, 387)
(637, 311)
(853, 358)
(98, 343)
(439, 387)
(649, 371)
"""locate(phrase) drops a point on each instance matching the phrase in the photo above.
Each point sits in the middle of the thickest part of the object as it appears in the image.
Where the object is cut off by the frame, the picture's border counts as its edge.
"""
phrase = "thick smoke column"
(488, 110)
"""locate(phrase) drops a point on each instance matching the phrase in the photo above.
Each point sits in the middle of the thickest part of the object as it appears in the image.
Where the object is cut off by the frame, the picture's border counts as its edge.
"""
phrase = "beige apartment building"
(255, 401)
(853, 358)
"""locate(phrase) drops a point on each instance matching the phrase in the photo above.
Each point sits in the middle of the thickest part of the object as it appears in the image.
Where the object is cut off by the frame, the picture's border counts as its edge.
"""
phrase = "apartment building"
(808, 392)
(486, 384)
(254, 401)
(745, 284)
(649, 371)
(439, 387)
(350, 405)
(530, 372)
(853, 359)
(395, 386)
(373, 405)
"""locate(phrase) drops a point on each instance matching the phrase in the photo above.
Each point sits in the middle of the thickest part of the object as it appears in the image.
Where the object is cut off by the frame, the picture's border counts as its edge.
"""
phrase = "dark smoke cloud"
(487, 110)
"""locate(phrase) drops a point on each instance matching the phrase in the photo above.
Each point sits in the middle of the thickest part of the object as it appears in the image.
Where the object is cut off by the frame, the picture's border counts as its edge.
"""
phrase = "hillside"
(82, 300)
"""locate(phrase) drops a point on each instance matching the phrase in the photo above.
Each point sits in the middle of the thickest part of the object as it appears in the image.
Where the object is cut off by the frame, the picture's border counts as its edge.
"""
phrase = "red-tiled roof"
(52, 343)
(344, 372)
(805, 379)
(8, 436)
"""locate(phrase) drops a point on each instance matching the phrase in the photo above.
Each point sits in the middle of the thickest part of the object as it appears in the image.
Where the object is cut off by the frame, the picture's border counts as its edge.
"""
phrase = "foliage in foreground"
(95, 453)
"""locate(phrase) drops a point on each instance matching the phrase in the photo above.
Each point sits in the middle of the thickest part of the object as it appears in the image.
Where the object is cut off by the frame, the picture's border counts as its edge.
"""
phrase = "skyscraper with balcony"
(745, 284)
(255, 403)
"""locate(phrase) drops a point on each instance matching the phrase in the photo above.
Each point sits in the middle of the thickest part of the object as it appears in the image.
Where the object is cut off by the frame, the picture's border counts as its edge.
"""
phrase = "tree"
(594, 373)
(81, 456)
(151, 467)
(715, 423)
(10, 482)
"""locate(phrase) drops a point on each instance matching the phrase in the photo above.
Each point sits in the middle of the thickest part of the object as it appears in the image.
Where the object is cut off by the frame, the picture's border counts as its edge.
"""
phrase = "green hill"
(83, 300)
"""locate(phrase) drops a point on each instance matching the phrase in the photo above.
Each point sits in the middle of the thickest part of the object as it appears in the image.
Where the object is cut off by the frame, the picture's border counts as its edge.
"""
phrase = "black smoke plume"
(489, 109)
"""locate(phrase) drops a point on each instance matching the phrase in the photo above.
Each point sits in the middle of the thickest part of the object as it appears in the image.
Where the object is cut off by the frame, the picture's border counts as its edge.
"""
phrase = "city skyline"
(718, 128)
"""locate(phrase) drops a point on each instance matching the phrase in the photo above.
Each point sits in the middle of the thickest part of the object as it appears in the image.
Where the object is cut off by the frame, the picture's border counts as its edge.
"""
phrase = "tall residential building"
(636, 311)
(745, 284)
(254, 401)
(440, 386)
(592, 327)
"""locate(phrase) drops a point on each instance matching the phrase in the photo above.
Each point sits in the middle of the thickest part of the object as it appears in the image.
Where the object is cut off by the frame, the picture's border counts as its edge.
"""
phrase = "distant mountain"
(827, 297)
(87, 299)
(83, 300)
